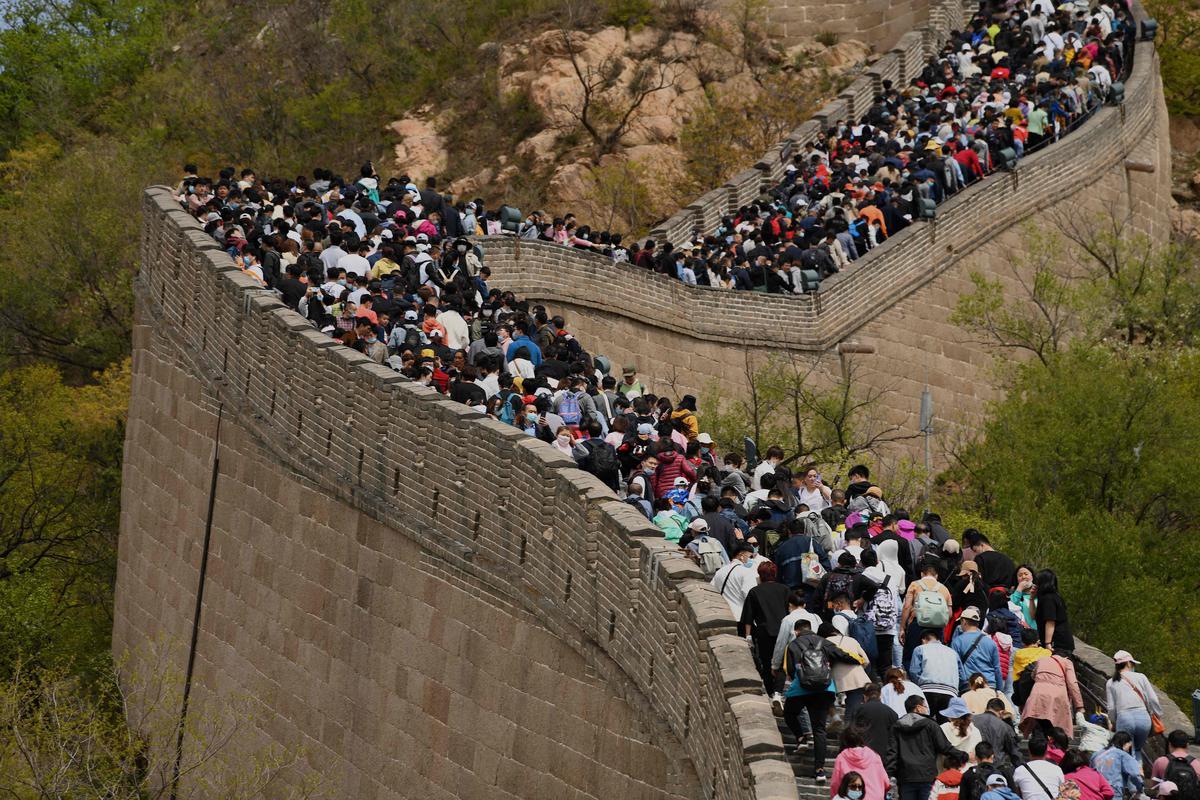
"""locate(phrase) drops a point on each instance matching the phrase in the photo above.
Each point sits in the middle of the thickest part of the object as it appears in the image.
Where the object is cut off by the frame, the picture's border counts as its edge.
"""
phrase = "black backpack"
(813, 669)
(1180, 772)
(604, 458)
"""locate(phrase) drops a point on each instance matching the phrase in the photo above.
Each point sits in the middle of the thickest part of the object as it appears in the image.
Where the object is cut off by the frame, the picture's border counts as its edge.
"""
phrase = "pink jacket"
(865, 762)
(1092, 785)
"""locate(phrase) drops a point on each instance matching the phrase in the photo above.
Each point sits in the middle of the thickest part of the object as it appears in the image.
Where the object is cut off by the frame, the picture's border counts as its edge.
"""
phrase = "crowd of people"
(1022, 74)
(949, 664)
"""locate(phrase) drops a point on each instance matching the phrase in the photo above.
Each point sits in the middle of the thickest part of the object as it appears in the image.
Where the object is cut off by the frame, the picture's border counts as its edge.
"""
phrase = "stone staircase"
(800, 758)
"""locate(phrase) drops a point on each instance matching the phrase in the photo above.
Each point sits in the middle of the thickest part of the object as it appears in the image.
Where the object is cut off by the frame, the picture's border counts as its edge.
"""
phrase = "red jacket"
(670, 466)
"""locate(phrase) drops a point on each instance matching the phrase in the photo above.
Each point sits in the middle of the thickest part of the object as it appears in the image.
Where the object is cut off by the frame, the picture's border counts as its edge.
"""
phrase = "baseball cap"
(968, 567)
(681, 481)
(1124, 657)
(996, 779)
(629, 369)
(698, 525)
(971, 613)
(645, 429)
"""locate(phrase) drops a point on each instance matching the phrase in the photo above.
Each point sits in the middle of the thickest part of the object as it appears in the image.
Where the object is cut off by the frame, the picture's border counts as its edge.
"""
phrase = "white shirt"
(735, 580)
(896, 702)
(1028, 786)
(765, 468)
(490, 385)
(354, 264)
(787, 632)
(359, 226)
(331, 255)
(458, 336)
(814, 499)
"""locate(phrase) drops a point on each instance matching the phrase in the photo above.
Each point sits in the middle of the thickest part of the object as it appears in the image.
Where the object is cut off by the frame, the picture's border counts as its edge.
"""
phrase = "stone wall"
(898, 299)
(877, 22)
(427, 603)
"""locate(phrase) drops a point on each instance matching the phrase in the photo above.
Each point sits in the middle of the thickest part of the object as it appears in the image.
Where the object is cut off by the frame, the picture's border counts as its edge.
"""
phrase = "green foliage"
(788, 402)
(827, 38)
(631, 14)
(1179, 53)
(1087, 465)
(61, 63)
(732, 130)
(59, 505)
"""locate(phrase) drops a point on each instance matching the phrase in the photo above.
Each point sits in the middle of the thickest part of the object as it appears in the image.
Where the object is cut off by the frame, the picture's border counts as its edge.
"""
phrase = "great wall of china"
(524, 635)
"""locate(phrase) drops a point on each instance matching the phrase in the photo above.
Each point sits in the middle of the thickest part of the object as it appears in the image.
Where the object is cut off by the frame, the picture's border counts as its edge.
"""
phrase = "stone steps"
(800, 758)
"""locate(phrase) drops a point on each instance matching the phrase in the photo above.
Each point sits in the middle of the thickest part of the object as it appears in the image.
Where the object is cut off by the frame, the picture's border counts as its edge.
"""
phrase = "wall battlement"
(350, 502)
(899, 298)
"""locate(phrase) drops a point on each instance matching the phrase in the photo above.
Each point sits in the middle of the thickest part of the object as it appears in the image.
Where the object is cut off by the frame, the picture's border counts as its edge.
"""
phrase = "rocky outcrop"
(559, 70)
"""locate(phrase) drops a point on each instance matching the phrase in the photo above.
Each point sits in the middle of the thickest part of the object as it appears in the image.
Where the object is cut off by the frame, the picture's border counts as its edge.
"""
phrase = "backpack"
(839, 583)
(568, 408)
(604, 459)
(882, 608)
(932, 610)
(710, 554)
(508, 414)
(813, 671)
(1023, 685)
(1180, 772)
(816, 528)
(862, 630)
(638, 502)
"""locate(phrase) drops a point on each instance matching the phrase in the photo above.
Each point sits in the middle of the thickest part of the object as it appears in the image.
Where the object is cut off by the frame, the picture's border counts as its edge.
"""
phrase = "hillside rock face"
(561, 72)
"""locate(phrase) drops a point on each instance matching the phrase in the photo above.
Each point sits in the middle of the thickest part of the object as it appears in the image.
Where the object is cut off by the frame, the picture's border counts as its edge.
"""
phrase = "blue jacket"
(535, 352)
(935, 667)
(984, 659)
(789, 558)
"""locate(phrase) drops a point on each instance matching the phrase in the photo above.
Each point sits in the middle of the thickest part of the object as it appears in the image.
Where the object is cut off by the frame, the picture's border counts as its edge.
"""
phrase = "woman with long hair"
(897, 689)
(1053, 623)
(1131, 700)
(959, 730)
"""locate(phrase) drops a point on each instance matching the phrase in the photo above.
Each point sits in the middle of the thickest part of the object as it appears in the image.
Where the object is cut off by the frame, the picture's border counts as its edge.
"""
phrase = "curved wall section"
(899, 298)
(428, 603)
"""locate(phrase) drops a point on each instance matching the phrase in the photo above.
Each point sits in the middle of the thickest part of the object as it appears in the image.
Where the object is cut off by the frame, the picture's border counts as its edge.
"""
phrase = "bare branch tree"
(612, 92)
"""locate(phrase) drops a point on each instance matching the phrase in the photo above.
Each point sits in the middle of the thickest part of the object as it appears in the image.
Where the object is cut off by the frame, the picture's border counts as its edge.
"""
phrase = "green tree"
(59, 505)
(1087, 465)
(1179, 53)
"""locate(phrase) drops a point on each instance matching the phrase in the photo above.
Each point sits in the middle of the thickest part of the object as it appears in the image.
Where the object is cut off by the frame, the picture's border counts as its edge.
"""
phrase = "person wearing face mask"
(735, 580)
(858, 772)
(564, 442)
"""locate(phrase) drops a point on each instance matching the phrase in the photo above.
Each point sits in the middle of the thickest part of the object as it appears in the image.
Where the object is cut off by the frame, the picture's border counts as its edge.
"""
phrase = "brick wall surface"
(427, 602)
(898, 299)
(876, 22)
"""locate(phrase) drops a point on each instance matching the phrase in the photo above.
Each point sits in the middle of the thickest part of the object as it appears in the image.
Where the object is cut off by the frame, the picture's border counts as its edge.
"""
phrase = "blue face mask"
(854, 794)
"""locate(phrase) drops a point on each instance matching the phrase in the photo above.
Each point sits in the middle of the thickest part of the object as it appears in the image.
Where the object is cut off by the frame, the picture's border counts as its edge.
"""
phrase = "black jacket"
(915, 743)
(876, 719)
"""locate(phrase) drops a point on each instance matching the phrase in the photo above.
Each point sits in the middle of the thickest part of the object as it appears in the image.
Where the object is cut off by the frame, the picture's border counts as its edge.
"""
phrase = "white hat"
(1124, 657)
(698, 524)
(681, 481)
(704, 438)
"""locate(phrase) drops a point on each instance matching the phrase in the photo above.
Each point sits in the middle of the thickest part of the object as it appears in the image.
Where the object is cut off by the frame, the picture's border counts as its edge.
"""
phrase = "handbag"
(1156, 723)
(810, 566)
